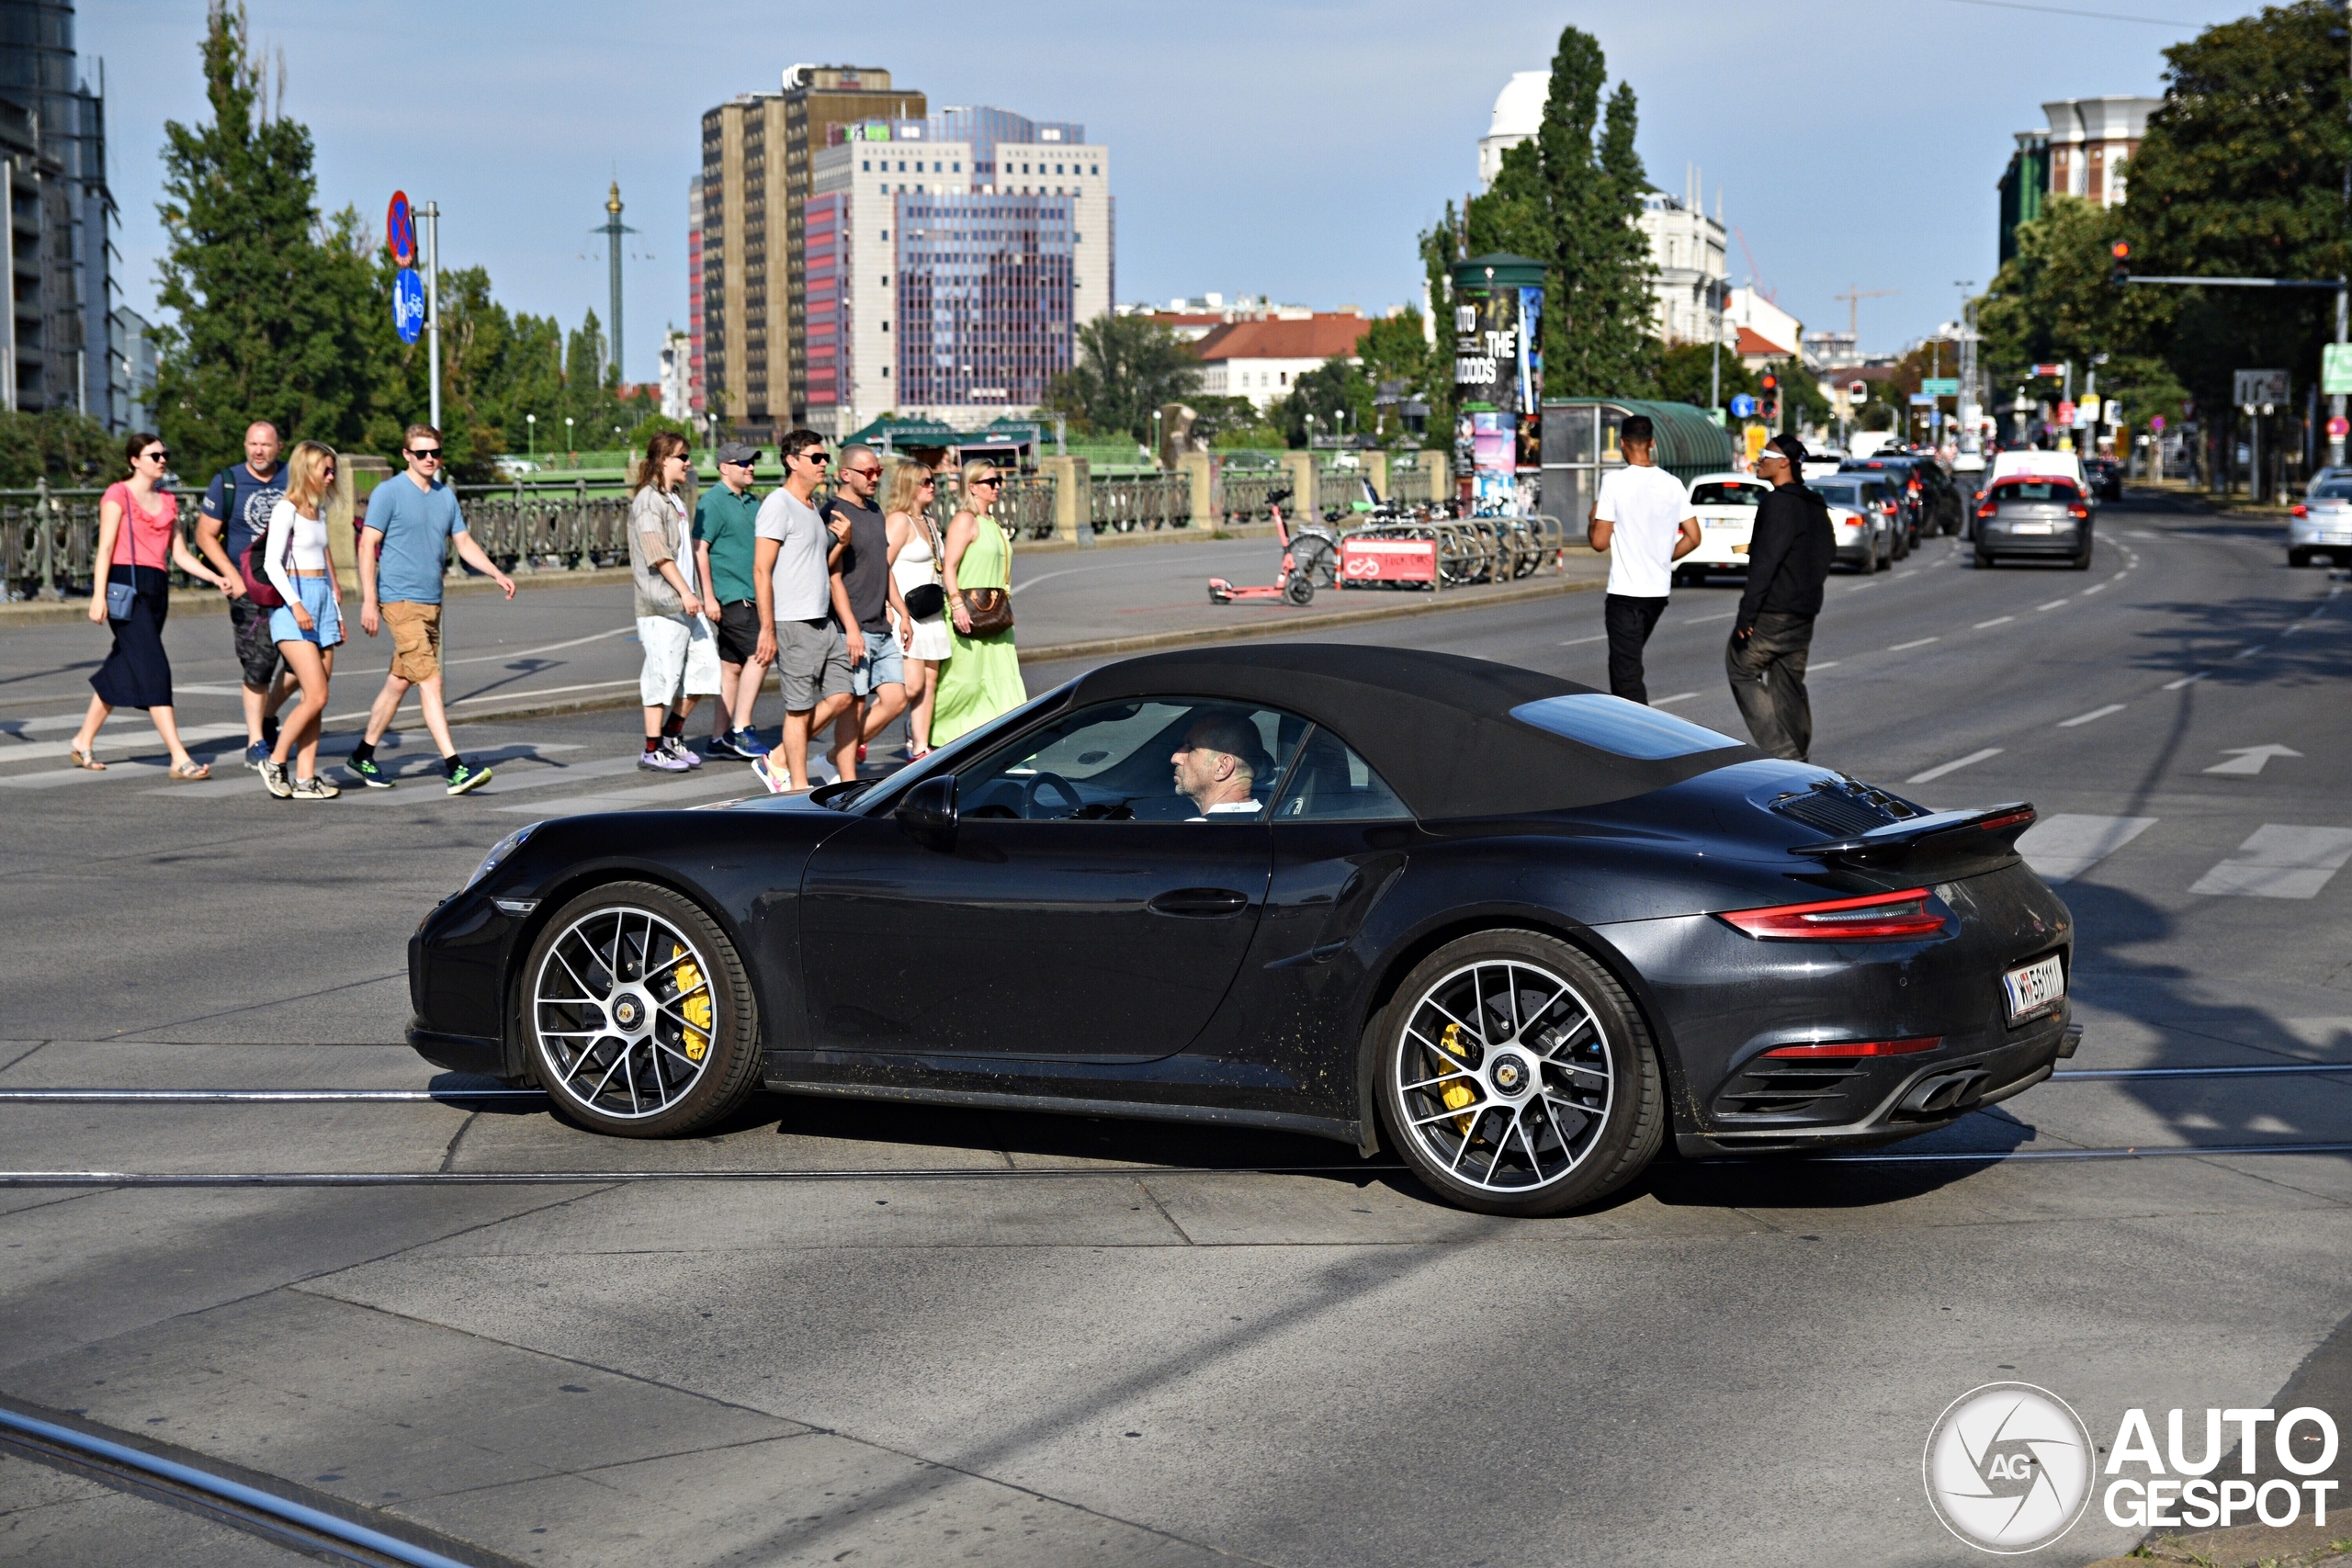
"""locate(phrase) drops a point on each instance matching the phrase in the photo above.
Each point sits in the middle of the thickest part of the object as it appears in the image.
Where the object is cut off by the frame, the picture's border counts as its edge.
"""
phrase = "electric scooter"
(1292, 584)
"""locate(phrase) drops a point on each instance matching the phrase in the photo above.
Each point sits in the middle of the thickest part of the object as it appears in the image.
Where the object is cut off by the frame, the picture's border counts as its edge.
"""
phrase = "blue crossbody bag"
(118, 600)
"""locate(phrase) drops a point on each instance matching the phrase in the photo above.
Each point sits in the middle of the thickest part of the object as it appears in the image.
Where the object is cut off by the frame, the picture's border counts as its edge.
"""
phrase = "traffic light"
(2120, 273)
(1770, 396)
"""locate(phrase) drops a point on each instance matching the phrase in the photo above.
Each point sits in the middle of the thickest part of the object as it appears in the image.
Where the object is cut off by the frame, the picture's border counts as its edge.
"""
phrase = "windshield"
(2333, 489)
(1613, 725)
(1726, 494)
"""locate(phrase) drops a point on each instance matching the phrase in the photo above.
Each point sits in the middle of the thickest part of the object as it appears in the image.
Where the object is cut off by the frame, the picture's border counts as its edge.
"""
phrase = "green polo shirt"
(724, 520)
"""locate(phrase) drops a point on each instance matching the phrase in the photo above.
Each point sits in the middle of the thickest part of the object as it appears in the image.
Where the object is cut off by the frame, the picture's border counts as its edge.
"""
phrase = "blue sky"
(1278, 147)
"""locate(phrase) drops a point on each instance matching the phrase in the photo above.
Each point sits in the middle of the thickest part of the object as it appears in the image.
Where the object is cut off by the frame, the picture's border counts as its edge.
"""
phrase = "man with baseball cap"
(725, 518)
(1789, 554)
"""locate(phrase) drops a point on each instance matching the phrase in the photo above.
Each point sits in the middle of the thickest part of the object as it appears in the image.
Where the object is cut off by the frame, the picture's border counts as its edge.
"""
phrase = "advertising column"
(1499, 381)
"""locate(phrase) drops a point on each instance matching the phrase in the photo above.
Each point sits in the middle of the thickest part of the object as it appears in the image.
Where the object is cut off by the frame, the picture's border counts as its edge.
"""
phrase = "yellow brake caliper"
(1458, 1093)
(696, 1007)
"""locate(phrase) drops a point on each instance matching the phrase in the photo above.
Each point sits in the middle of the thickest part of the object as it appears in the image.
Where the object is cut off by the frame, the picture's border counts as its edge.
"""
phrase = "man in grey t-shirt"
(803, 612)
(876, 673)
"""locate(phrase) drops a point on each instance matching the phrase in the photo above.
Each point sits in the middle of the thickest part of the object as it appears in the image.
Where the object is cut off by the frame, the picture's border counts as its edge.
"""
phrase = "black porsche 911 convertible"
(1509, 928)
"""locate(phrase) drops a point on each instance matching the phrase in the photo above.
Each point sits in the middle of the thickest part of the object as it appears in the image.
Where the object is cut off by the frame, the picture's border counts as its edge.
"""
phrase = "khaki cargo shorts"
(416, 640)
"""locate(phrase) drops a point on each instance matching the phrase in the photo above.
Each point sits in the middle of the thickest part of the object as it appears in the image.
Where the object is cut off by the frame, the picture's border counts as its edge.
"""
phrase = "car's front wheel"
(1517, 1077)
(637, 1013)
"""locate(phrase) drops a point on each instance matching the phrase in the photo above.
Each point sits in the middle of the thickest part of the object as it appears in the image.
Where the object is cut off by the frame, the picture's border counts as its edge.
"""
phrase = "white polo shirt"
(803, 586)
(1645, 506)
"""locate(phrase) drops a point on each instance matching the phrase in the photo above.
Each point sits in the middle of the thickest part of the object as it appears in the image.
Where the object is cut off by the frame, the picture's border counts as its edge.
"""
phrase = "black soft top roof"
(1437, 727)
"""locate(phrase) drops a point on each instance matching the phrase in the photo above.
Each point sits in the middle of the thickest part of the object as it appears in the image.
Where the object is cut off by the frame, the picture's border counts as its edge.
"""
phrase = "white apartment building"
(1688, 269)
(1766, 331)
(677, 375)
(1261, 358)
(865, 180)
(2091, 140)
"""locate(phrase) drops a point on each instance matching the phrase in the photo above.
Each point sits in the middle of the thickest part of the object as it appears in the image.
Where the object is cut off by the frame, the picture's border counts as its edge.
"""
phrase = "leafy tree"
(1441, 247)
(1687, 373)
(1397, 352)
(66, 447)
(1334, 397)
(1127, 365)
(1569, 198)
(2053, 302)
(2241, 172)
(261, 292)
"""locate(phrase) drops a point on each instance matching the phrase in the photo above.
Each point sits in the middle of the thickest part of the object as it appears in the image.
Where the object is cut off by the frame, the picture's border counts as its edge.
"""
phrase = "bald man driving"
(1217, 764)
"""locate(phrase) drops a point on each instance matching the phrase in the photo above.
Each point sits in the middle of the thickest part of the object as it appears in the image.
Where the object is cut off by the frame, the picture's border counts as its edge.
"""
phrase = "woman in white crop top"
(308, 625)
(914, 562)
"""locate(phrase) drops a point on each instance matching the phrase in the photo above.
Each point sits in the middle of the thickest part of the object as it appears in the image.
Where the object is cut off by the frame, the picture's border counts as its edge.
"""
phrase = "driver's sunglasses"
(426, 454)
(159, 456)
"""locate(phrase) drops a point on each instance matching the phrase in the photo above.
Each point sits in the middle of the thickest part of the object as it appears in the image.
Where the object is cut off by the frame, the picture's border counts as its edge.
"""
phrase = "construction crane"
(1854, 297)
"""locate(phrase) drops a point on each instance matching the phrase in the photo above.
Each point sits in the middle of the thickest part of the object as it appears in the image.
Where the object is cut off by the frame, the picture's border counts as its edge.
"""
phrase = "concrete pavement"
(837, 1331)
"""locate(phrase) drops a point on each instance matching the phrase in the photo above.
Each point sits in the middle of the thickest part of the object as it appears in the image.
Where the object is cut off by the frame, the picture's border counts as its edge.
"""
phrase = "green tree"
(1333, 399)
(2052, 302)
(261, 298)
(1687, 372)
(2241, 172)
(1569, 198)
(1127, 365)
(1398, 355)
(58, 444)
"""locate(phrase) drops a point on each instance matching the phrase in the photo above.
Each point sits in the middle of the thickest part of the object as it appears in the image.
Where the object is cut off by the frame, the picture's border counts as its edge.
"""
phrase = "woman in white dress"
(914, 563)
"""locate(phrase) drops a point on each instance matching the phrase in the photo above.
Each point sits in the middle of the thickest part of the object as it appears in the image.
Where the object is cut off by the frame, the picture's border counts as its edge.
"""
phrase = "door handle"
(1199, 902)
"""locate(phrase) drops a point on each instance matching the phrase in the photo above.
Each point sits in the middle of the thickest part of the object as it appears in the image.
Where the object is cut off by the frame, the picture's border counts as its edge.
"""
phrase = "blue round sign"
(408, 304)
(1742, 406)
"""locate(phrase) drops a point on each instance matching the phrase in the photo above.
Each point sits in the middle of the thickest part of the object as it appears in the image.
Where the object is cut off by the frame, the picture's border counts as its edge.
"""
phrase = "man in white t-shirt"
(802, 609)
(1644, 523)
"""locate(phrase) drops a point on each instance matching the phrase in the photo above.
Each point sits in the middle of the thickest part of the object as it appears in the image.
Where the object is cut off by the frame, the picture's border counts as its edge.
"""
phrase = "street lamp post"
(568, 448)
(531, 425)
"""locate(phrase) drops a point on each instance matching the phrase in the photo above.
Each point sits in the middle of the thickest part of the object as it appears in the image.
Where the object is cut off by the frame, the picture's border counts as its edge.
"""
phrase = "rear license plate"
(2032, 527)
(2036, 988)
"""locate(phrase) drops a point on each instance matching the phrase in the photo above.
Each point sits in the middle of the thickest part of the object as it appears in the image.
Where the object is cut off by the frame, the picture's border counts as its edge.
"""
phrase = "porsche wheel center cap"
(628, 1013)
(1511, 1073)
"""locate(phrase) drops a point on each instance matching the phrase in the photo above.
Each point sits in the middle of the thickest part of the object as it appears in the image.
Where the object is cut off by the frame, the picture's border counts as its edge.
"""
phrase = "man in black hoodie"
(1788, 559)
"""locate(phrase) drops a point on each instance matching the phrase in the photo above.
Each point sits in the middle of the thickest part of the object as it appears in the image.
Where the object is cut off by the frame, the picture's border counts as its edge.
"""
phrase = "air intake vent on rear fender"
(1844, 806)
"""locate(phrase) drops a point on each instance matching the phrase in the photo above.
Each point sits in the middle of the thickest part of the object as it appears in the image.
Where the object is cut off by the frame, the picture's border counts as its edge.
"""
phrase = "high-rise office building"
(950, 260)
(58, 284)
(756, 180)
(694, 300)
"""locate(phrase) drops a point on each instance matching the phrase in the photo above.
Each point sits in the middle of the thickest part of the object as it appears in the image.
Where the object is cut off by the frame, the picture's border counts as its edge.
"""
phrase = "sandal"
(86, 759)
(189, 773)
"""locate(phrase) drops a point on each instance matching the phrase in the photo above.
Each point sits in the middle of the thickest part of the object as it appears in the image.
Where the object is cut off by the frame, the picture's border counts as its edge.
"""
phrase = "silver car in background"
(2040, 515)
(2322, 524)
(1866, 512)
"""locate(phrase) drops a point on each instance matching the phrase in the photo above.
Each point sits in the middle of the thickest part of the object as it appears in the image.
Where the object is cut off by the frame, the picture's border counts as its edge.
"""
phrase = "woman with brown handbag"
(982, 678)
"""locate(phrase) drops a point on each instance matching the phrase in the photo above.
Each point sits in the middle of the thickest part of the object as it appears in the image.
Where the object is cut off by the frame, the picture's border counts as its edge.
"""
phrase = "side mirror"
(928, 812)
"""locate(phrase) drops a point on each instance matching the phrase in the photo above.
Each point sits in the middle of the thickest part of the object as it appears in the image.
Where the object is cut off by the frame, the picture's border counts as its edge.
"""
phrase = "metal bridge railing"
(1145, 501)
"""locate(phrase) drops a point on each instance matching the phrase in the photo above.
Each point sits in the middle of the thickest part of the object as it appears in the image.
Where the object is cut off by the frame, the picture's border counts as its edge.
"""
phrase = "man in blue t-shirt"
(237, 504)
(412, 519)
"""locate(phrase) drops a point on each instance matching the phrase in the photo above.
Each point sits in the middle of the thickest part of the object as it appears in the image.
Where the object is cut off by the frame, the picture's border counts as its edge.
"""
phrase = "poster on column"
(1499, 389)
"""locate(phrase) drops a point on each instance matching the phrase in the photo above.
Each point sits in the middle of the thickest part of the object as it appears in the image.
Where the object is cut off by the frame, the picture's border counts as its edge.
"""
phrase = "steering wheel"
(1039, 780)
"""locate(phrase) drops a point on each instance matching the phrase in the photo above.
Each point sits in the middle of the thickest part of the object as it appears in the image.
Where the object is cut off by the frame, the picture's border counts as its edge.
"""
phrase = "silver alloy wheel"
(624, 1012)
(1505, 1075)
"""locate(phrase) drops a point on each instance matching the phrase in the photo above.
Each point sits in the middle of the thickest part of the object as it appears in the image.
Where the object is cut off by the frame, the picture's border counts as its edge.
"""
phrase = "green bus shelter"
(1580, 444)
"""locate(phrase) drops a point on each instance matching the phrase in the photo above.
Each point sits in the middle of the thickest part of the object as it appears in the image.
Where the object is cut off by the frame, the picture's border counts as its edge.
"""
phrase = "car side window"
(1151, 759)
(1331, 784)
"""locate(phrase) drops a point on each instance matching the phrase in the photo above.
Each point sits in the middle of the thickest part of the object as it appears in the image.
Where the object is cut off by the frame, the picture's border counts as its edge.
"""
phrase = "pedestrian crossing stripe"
(2063, 846)
(2280, 861)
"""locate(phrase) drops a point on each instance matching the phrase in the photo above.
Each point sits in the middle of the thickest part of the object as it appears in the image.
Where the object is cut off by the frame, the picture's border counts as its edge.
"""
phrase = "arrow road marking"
(2249, 758)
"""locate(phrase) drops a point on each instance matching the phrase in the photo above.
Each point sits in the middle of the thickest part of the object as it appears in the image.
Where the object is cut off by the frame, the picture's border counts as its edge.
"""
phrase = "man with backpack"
(233, 518)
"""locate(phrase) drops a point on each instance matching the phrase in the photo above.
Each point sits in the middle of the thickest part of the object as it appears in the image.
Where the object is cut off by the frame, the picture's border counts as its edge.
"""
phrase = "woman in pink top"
(137, 534)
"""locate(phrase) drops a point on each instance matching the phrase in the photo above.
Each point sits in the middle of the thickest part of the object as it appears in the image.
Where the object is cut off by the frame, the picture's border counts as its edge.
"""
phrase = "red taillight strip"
(1880, 917)
(1858, 1048)
(2006, 819)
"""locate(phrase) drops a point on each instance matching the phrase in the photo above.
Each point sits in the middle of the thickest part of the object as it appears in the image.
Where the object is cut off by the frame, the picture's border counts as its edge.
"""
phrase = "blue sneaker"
(256, 755)
(746, 742)
(723, 745)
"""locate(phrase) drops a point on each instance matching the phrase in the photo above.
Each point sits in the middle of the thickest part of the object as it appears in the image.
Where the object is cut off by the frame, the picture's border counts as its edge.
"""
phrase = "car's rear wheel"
(637, 1015)
(1517, 1077)
(2083, 561)
(2298, 560)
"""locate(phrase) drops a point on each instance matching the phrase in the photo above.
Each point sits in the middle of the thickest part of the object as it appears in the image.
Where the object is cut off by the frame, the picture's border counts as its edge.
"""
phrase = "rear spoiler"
(1990, 831)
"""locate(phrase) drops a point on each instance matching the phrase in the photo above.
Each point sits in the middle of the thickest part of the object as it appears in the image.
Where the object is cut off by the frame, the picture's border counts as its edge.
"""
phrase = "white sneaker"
(680, 750)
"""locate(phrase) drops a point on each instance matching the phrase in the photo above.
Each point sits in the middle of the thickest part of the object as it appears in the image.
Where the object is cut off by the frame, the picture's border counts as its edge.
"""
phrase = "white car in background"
(2322, 522)
(1725, 506)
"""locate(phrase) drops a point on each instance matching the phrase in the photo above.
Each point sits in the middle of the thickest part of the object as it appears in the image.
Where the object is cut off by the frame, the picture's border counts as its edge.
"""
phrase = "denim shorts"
(883, 664)
(326, 620)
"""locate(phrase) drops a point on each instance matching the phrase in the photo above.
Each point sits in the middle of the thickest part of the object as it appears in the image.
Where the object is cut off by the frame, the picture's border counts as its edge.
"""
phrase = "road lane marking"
(1580, 641)
(2249, 760)
(2053, 604)
(2062, 847)
(737, 781)
(2094, 588)
(1952, 767)
(2249, 653)
(2087, 717)
(1678, 697)
(124, 735)
(2279, 861)
(1703, 620)
(1828, 664)
(2185, 680)
(1916, 642)
(543, 647)
(1996, 621)
(1907, 572)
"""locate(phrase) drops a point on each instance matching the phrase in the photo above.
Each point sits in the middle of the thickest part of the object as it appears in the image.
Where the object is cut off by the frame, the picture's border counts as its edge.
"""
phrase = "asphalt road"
(991, 1338)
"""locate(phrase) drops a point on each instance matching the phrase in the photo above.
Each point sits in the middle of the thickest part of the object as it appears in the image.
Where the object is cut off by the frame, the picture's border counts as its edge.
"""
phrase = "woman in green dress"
(982, 677)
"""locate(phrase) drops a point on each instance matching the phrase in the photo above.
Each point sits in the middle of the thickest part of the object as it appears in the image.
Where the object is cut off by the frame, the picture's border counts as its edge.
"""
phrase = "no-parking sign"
(399, 230)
